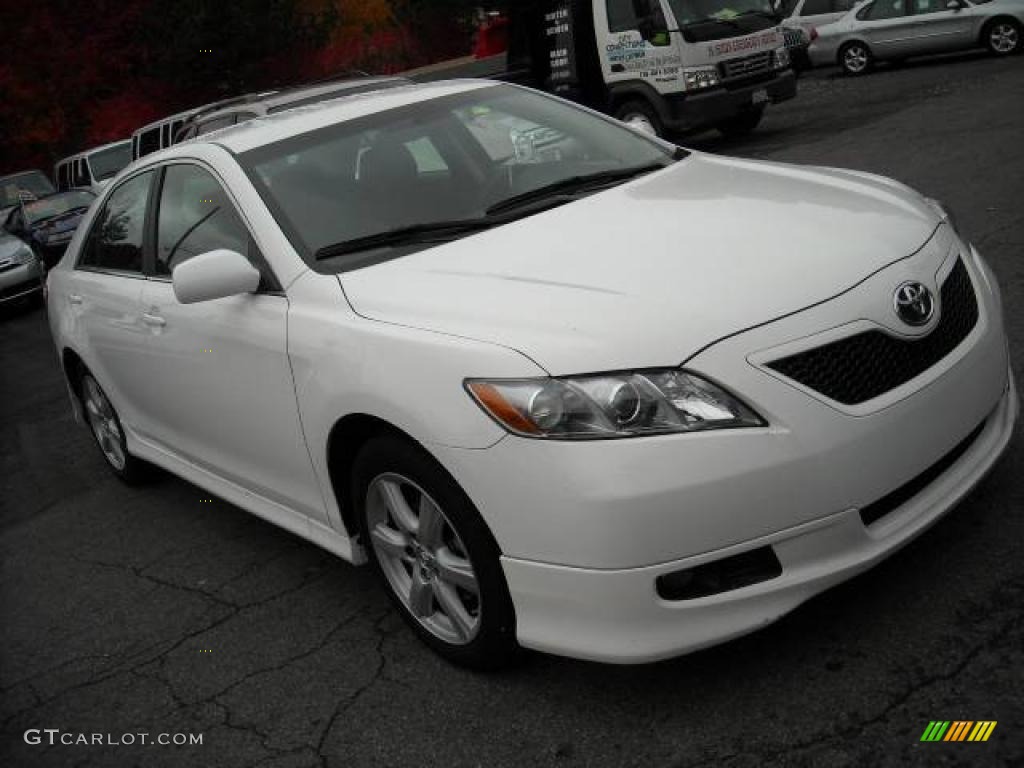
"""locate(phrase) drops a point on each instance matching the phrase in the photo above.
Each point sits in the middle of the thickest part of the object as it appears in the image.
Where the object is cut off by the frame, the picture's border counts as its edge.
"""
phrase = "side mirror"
(214, 275)
(954, 5)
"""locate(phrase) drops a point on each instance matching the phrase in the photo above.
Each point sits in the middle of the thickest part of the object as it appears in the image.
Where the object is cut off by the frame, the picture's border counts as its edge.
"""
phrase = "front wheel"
(1002, 37)
(434, 553)
(742, 124)
(640, 116)
(855, 58)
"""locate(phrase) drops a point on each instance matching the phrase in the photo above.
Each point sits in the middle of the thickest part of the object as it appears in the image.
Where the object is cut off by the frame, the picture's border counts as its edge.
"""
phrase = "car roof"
(270, 128)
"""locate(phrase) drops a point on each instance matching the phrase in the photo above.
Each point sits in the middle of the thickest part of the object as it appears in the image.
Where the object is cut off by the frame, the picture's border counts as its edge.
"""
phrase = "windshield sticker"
(767, 39)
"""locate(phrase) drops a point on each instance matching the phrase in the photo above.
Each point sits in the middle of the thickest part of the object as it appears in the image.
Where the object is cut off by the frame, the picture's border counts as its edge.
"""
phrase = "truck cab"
(660, 65)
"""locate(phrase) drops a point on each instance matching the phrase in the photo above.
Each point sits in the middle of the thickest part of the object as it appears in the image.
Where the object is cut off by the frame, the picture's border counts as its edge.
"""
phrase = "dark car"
(25, 185)
(48, 224)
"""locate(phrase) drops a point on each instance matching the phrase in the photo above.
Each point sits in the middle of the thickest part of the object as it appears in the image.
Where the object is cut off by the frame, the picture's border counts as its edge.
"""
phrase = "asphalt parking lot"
(159, 610)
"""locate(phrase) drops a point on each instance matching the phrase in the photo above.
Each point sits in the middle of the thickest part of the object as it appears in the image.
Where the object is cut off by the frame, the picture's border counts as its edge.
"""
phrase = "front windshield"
(454, 158)
(55, 205)
(33, 182)
(689, 12)
(107, 162)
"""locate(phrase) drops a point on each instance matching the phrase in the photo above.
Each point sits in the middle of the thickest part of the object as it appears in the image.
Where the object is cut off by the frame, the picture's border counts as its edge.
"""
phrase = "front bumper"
(20, 281)
(695, 111)
(587, 528)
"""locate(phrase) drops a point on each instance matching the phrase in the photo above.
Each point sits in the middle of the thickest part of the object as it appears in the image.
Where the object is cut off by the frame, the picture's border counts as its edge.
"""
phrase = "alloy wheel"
(103, 422)
(855, 59)
(1004, 37)
(423, 558)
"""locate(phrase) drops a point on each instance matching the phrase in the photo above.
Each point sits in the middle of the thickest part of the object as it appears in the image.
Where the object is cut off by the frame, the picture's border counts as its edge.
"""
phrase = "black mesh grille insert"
(866, 365)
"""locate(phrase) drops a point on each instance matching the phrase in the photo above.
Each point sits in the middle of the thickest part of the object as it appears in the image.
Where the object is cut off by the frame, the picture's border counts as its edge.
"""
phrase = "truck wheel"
(1002, 37)
(640, 116)
(855, 58)
(742, 124)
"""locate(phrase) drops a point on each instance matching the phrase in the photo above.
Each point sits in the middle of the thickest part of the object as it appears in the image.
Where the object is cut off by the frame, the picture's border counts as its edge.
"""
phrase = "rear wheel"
(742, 124)
(1002, 37)
(640, 116)
(436, 557)
(855, 58)
(108, 432)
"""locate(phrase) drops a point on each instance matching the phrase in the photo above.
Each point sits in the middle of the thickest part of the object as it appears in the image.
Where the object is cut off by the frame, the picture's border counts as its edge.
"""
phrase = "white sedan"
(894, 30)
(614, 399)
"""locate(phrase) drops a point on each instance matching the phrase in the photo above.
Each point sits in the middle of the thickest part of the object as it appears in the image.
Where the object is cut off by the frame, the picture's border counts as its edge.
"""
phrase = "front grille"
(866, 365)
(746, 66)
(875, 511)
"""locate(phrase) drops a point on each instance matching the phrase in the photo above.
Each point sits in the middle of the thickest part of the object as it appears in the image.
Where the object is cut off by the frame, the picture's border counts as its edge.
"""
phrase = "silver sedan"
(898, 29)
(21, 272)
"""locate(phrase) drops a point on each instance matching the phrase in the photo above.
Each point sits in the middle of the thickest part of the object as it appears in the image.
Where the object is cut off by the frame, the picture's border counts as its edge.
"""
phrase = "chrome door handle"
(154, 320)
(74, 298)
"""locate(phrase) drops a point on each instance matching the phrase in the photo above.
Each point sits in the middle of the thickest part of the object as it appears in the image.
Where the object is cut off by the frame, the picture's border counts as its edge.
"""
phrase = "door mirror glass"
(214, 275)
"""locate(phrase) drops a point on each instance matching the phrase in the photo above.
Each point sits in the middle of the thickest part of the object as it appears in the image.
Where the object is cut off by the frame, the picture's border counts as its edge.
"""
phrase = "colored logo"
(958, 730)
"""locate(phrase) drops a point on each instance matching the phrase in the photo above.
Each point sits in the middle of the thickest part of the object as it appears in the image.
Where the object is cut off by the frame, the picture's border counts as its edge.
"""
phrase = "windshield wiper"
(571, 184)
(435, 231)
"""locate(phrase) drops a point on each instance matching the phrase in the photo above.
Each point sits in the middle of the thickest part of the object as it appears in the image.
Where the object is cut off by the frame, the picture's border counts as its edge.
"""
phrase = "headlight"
(704, 77)
(23, 255)
(610, 405)
(781, 58)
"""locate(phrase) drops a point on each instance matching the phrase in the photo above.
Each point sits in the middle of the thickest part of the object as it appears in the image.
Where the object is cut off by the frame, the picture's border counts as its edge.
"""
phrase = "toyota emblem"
(914, 303)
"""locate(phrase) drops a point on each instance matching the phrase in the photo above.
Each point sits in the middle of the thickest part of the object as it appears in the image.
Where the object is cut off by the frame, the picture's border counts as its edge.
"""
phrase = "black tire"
(493, 645)
(855, 58)
(129, 469)
(1002, 37)
(638, 113)
(742, 124)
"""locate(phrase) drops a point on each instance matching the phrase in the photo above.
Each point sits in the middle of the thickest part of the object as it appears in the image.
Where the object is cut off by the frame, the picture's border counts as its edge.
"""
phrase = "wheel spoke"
(453, 608)
(456, 570)
(390, 541)
(399, 507)
(431, 523)
(421, 597)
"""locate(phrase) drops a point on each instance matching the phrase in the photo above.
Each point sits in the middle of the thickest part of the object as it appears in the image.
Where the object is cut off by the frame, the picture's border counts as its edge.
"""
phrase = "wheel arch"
(637, 90)
(74, 368)
(989, 23)
(344, 441)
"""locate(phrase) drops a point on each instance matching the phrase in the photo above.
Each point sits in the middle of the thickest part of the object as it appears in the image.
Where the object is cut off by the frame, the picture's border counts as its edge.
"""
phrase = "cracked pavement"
(127, 610)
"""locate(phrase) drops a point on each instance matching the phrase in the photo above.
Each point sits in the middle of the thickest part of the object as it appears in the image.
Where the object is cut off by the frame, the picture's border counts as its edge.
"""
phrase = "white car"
(615, 402)
(894, 30)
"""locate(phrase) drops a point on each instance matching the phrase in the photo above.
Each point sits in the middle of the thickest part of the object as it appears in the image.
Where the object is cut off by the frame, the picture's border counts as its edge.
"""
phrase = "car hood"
(650, 272)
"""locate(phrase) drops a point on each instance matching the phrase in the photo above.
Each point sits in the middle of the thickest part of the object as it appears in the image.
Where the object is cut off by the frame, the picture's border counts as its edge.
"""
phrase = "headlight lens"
(611, 405)
(23, 255)
(703, 77)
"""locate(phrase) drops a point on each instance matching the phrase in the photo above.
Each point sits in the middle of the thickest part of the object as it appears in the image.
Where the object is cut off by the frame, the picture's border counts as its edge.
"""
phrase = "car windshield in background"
(378, 187)
(33, 182)
(57, 205)
(714, 19)
(107, 162)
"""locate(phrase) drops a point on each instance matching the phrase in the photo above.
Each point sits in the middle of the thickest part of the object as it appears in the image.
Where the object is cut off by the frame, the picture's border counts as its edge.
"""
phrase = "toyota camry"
(564, 386)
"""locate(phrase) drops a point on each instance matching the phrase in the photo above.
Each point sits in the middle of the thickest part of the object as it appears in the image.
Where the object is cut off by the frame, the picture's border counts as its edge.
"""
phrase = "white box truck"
(661, 65)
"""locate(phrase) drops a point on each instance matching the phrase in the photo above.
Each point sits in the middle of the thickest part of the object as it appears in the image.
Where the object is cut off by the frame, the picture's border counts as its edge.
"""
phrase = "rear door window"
(115, 240)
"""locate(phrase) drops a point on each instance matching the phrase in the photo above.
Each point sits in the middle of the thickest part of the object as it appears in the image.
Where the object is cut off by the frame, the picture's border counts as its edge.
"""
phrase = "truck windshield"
(387, 184)
(729, 18)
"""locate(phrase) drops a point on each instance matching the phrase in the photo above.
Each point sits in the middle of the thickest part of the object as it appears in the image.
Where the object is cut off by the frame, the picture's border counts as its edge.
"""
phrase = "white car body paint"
(700, 276)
